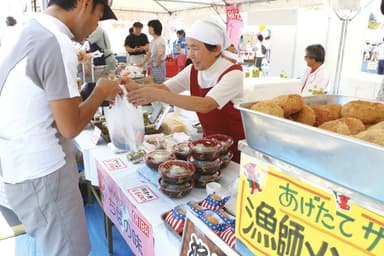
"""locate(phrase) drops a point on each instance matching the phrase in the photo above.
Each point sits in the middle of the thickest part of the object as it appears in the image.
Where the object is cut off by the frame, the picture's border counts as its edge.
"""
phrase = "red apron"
(224, 121)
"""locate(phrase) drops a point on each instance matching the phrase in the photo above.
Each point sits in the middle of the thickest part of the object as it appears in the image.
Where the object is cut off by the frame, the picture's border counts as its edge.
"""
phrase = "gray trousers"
(52, 211)
(158, 73)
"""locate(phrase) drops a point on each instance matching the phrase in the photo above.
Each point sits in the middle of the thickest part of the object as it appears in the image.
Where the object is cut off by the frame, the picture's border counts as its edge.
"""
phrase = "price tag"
(96, 135)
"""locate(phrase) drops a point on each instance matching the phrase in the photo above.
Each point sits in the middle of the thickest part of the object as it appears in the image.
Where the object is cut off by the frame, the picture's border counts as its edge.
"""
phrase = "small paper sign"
(96, 135)
(114, 164)
(142, 194)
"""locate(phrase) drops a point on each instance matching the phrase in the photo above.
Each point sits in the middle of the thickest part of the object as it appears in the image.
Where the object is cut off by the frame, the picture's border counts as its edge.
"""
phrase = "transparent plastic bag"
(125, 124)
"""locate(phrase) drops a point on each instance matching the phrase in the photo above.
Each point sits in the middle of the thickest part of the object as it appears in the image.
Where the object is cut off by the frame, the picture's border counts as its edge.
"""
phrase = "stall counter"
(132, 203)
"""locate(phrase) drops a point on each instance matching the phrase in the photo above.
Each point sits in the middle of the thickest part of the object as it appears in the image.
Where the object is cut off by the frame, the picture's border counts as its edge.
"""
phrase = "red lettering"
(140, 223)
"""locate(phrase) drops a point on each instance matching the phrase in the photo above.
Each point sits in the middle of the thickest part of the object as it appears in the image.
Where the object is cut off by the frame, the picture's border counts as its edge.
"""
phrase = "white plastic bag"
(125, 124)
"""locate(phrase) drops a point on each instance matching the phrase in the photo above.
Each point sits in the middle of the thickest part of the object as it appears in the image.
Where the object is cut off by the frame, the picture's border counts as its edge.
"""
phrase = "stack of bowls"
(205, 156)
(176, 177)
(226, 142)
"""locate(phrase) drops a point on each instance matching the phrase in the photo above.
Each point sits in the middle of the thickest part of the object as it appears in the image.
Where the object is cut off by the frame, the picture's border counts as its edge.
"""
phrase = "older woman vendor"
(215, 84)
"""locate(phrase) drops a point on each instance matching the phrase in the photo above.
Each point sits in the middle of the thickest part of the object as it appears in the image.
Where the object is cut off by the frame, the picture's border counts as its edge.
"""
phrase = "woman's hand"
(129, 84)
(144, 95)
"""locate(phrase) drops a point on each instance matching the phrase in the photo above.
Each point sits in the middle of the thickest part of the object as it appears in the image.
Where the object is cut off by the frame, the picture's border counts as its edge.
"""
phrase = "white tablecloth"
(264, 88)
(128, 178)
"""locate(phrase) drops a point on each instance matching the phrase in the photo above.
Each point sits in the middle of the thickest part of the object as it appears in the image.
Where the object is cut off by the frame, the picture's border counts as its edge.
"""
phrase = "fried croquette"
(305, 116)
(325, 113)
(268, 107)
(346, 126)
(379, 125)
(291, 103)
(368, 112)
(372, 135)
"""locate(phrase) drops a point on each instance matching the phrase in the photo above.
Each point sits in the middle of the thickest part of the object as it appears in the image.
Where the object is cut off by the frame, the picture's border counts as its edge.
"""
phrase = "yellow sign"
(281, 215)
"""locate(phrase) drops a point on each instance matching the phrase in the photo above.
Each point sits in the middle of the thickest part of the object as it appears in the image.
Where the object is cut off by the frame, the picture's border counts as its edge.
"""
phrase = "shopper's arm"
(71, 115)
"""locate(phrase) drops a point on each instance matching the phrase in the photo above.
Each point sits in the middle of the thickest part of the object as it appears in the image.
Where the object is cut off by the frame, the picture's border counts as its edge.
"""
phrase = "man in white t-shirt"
(41, 111)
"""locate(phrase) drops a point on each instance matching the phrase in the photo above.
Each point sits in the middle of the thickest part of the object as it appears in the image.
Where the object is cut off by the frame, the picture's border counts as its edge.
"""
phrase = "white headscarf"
(209, 31)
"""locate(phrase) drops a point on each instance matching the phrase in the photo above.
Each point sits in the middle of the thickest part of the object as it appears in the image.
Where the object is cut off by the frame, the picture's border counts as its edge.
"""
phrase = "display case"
(307, 191)
(341, 159)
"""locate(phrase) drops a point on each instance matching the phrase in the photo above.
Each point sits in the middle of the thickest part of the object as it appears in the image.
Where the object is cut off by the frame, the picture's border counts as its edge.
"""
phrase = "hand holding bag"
(125, 124)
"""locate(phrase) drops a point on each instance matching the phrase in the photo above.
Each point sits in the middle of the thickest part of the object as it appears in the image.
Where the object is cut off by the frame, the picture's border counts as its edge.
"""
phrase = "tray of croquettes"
(338, 138)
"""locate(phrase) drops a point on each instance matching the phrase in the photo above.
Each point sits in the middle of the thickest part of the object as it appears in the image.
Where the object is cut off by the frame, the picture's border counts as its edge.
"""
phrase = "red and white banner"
(234, 24)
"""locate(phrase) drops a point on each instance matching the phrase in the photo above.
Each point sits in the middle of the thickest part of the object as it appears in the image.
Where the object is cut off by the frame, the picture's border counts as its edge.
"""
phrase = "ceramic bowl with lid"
(205, 149)
(176, 191)
(206, 167)
(226, 159)
(225, 140)
(176, 171)
(182, 150)
(154, 158)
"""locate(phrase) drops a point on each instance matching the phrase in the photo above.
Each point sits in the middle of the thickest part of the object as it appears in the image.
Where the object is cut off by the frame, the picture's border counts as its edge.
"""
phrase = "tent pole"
(340, 57)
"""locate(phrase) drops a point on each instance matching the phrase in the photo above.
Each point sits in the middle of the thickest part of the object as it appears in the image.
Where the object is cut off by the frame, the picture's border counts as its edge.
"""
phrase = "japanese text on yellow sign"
(281, 215)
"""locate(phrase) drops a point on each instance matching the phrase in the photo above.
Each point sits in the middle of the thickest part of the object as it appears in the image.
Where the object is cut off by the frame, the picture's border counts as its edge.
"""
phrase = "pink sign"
(142, 194)
(234, 24)
(135, 229)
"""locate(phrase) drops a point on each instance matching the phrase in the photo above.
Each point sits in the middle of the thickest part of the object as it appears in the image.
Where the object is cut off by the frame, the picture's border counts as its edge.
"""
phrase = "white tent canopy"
(175, 7)
(295, 24)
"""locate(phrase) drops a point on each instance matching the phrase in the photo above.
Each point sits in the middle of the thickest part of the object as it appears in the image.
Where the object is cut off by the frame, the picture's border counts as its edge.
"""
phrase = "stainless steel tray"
(352, 163)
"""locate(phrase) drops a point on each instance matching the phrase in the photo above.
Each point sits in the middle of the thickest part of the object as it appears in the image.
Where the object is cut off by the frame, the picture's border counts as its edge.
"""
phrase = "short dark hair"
(316, 52)
(181, 32)
(138, 24)
(156, 25)
(10, 21)
(65, 4)
(260, 37)
(71, 4)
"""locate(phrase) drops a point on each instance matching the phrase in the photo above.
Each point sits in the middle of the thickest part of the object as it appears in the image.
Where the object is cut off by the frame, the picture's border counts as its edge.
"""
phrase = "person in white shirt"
(41, 111)
(315, 79)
